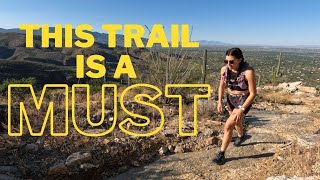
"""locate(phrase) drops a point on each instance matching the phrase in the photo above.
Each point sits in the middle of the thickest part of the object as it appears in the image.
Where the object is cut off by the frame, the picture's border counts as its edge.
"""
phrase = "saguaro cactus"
(129, 80)
(279, 65)
(168, 70)
(204, 67)
(259, 78)
(273, 75)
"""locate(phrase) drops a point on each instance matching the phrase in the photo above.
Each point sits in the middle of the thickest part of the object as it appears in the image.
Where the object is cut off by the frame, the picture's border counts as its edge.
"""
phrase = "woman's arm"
(221, 89)
(250, 76)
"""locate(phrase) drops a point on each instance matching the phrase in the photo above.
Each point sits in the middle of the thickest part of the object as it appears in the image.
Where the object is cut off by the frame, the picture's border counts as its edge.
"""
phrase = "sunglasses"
(231, 61)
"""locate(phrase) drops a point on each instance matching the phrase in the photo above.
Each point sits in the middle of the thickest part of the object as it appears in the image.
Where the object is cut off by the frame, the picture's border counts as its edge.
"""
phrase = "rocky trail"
(269, 135)
(282, 142)
(268, 132)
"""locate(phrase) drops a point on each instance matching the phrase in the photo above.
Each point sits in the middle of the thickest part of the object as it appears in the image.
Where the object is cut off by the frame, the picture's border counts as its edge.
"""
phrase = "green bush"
(95, 84)
(5, 84)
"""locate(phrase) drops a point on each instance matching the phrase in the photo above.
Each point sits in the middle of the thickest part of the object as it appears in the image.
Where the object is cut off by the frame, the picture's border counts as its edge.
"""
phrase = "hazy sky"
(270, 22)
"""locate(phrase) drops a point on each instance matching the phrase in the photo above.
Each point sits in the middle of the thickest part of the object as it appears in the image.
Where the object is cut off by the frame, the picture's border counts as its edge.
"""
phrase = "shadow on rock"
(254, 121)
(251, 157)
(265, 142)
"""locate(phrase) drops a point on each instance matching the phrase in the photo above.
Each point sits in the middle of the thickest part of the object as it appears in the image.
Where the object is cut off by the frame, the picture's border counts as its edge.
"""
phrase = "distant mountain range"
(212, 43)
(99, 37)
(103, 37)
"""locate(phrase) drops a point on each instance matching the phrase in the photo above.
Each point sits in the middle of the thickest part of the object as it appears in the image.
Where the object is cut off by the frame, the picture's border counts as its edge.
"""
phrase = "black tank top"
(232, 84)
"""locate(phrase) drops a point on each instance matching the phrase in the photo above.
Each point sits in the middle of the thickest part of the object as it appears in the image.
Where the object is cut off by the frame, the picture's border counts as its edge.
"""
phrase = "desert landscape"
(283, 128)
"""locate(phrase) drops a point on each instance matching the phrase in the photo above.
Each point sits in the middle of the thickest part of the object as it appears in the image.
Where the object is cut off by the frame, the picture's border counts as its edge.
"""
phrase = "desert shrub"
(5, 84)
(95, 84)
(172, 68)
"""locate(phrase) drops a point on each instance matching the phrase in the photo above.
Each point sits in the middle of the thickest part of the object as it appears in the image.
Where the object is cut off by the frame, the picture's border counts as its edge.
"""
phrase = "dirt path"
(267, 133)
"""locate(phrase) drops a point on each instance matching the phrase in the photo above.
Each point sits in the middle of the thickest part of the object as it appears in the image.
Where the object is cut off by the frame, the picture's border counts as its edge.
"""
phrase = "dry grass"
(207, 108)
(294, 161)
(129, 96)
(275, 97)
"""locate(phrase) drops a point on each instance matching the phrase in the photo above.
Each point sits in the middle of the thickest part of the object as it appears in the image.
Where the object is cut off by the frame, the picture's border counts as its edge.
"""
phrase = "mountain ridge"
(103, 37)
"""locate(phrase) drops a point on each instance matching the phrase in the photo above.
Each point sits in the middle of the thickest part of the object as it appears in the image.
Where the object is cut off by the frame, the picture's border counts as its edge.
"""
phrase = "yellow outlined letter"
(23, 112)
(136, 98)
(196, 97)
(88, 109)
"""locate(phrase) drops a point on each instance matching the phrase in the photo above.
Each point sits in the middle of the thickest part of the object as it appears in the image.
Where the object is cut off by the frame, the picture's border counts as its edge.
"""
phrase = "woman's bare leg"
(228, 128)
(227, 136)
(239, 127)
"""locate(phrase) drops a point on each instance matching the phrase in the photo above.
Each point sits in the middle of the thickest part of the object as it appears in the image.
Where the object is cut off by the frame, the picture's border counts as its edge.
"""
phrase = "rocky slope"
(281, 142)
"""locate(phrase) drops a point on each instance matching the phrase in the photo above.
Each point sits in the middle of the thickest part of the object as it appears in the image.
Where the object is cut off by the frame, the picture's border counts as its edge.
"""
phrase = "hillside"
(283, 127)
(283, 139)
(51, 65)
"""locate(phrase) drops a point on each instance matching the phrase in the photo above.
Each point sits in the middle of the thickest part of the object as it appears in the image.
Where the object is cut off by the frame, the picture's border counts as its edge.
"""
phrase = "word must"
(153, 94)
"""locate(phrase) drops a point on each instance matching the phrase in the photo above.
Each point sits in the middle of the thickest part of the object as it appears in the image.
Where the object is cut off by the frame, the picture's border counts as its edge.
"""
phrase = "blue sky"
(269, 22)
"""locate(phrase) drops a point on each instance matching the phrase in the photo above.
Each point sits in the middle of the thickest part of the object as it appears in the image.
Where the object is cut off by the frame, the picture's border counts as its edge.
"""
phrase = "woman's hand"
(219, 107)
(239, 114)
